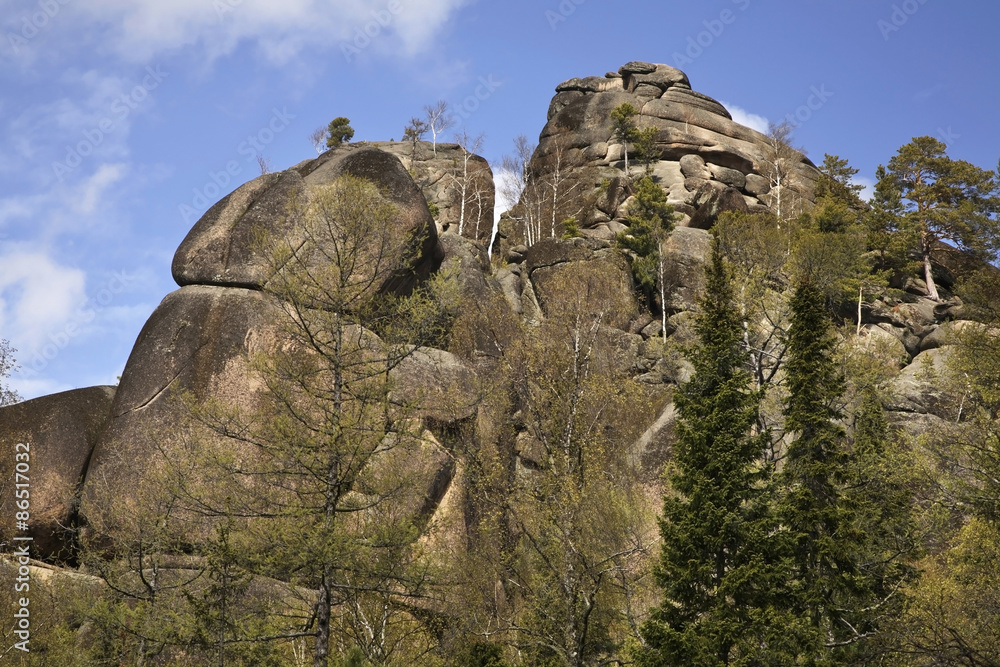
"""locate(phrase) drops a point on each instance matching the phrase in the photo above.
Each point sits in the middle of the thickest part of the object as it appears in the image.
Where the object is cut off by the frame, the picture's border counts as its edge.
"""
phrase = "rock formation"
(458, 182)
(198, 340)
(707, 162)
(61, 431)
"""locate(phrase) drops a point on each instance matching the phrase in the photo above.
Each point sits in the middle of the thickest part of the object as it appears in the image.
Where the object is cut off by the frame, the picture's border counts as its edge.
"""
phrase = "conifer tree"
(717, 566)
(650, 220)
(845, 501)
(339, 132)
(623, 125)
(836, 181)
(813, 470)
(944, 200)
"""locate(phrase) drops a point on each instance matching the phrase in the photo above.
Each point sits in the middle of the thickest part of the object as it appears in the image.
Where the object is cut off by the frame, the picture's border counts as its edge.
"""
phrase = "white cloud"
(744, 117)
(37, 297)
(138, 30)
(868, 186)
(94, 187)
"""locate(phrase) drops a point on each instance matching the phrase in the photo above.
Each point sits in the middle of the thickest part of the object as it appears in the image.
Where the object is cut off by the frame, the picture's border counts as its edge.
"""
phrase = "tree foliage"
(7, 365)
(845, 501)
(339, 131)
(650, 220)
(624, 127)
(561, 534)
(314, 482)
(942, 199)
(719, 564)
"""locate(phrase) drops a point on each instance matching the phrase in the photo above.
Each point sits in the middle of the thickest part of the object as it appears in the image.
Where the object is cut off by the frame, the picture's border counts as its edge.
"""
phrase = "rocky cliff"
(96, 444)
(706, 162)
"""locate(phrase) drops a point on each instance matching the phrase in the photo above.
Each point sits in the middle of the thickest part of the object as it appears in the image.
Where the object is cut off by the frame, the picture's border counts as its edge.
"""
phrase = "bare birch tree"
(776, 166)
(439, 119)
(467, 183)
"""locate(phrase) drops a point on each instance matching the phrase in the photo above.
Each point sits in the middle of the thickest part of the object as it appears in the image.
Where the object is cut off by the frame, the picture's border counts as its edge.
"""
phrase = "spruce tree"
(812, 475)
(879, 526)
(845, 501)
(716, 567)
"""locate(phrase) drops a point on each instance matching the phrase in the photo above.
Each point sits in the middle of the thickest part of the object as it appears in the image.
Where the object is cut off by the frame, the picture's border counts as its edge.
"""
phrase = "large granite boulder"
(198, 346)
(197, 341)
(59, 433)
(221, 248)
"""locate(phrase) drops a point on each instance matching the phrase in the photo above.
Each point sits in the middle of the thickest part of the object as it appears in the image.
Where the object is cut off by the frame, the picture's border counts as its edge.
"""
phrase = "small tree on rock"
(623, 123)
(414, 133)
(650, 220)
(438, 120)
(339, 131)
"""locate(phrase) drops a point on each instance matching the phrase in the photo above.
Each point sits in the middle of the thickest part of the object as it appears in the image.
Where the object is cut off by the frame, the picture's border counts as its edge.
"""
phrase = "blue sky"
(119, 118)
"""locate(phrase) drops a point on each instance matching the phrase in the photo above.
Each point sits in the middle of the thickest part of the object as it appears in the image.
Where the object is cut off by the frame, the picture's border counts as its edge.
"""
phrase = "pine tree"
(944, 200)
(836, 181)
(339, 131)
(716, 566)
(623, 125)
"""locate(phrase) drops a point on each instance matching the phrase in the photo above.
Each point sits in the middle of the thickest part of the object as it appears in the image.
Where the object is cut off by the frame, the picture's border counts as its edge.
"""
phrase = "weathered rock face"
(60, 432)
(220, 249)
(562, 273)
(458, 182)
(922, 387)
(198, 340)
(707, 162)
(685, 254)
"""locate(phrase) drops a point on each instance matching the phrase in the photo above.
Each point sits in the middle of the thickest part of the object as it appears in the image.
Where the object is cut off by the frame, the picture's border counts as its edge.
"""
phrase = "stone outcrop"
(60, 432)
(221, 250)
(198, 342)
(459, 183)
(707, 163)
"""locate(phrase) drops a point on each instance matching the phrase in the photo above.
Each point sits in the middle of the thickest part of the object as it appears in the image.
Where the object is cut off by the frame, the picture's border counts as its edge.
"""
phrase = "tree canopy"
(943, 200)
